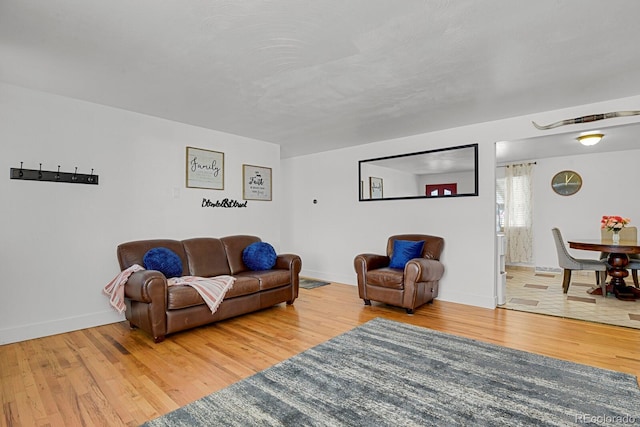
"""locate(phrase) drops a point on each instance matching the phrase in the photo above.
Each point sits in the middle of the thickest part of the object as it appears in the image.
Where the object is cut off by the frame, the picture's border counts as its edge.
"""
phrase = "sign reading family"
(205, 169)
(256, 182)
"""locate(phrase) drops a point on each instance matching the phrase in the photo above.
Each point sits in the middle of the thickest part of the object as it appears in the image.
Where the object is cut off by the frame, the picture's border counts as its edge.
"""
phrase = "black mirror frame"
(475, 160)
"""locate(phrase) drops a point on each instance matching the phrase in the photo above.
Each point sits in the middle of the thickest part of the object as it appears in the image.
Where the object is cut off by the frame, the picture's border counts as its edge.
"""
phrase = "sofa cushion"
(163, 260)
(244, 285)
(206, 257)
(183, 296)
(269, 279)
(404, 251)
(386, 278)
(233, 246)
(259, 256)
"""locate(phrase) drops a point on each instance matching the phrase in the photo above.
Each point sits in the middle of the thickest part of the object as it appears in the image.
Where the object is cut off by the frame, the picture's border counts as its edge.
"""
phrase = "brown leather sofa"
(411, 287)
(160, 310)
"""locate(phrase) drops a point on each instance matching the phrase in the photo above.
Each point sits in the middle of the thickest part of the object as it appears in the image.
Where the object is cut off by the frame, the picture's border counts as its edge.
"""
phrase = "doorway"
(577, 215)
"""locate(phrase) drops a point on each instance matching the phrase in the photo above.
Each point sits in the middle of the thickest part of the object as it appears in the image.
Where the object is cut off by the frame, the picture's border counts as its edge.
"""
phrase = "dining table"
(617, 260)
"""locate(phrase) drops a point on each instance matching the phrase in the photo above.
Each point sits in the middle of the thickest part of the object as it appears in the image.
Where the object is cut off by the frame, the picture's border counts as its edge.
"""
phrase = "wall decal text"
(224, 203)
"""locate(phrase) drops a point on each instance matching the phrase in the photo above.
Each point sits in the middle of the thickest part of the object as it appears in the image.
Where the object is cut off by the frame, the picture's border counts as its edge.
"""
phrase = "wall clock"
(566, 183)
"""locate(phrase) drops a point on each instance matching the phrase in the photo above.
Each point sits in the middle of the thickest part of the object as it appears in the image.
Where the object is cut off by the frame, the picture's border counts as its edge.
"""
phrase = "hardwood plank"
(111, 375)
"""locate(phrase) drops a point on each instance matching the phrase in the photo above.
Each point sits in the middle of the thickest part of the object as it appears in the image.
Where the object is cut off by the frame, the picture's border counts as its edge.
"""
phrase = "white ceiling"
(616, 138)
(315, 75)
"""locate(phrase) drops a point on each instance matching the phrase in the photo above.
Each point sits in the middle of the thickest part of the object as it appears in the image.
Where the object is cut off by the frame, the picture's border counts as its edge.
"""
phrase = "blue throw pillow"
(259, 256)
(163, 260)
(404, 251)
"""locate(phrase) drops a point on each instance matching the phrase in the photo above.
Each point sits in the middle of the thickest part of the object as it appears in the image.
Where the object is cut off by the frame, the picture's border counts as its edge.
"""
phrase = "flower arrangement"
(613, 222)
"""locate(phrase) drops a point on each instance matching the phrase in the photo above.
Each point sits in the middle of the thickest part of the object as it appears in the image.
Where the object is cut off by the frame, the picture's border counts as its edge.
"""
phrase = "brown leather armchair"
(411, 287)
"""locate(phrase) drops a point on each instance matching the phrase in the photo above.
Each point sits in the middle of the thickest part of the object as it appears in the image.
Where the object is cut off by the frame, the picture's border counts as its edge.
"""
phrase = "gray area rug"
(310, 283)
(385, 373)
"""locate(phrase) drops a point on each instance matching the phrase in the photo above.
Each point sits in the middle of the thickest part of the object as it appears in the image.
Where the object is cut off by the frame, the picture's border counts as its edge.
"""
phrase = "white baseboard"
(318, 275)
(59, 326)
(543, 269)
(467, 299)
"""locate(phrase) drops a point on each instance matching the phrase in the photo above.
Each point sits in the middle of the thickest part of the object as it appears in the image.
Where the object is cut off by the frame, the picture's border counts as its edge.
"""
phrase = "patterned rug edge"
(448, 383)
(305, 283)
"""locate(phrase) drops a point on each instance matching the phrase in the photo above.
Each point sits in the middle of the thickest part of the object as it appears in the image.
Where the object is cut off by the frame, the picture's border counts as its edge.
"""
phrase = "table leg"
(618, 271)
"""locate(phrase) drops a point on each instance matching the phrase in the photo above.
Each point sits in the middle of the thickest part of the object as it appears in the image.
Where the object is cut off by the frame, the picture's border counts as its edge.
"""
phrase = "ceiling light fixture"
(590, 138)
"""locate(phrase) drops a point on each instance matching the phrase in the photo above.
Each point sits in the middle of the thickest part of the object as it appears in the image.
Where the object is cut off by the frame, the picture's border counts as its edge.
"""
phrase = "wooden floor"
(112, 376)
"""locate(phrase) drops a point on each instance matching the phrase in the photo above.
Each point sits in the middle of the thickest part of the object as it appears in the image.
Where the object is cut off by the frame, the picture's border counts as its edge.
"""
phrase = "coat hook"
(40, 172)
(21, 173)
(90, 179)
(58, 174)
(75, 175)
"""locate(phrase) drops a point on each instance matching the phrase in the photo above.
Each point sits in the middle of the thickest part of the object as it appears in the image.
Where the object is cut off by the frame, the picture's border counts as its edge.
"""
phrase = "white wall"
(59, 240)
(610, 187)
(329, 234)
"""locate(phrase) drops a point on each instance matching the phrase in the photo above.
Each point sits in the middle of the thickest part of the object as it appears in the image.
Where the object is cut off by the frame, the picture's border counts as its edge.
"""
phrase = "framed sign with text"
(256, 182)
(375, 187)
(205, 169)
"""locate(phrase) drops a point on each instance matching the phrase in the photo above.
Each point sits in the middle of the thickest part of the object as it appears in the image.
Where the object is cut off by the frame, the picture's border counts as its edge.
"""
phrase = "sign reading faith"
(256, 182)
(205, 169)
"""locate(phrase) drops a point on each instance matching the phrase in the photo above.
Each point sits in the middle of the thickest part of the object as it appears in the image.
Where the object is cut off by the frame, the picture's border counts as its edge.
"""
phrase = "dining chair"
(569, 264)
(627, 233)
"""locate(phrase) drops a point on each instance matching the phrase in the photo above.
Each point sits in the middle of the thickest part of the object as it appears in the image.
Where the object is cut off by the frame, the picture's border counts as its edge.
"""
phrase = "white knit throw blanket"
(211, 289)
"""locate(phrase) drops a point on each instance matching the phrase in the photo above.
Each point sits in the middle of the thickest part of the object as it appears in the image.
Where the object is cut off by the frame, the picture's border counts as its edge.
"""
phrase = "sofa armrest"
(146, 286)
(293, 263)
(146, 292)
(289, 262)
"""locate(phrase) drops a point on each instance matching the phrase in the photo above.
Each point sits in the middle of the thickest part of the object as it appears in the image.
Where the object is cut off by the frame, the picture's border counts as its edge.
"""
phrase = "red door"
(441, 190)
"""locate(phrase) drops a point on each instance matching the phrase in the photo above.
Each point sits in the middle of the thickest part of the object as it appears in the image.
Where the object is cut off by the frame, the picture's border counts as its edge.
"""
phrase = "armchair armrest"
(364, 262)
(146, 286)
(423, 270)
(421, 276)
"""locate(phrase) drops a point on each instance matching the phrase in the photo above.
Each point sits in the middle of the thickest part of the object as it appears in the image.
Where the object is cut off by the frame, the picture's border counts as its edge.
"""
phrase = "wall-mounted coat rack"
(53, 176)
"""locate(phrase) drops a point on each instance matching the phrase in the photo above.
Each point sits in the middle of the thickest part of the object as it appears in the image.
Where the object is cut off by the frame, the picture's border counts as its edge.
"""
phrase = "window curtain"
(518, 221)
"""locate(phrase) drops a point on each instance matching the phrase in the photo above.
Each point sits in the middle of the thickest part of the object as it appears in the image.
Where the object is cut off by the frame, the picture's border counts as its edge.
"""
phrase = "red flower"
(613, 222)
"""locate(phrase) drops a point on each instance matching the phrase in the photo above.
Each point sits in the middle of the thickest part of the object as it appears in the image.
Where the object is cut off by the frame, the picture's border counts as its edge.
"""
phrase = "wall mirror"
(445, 172)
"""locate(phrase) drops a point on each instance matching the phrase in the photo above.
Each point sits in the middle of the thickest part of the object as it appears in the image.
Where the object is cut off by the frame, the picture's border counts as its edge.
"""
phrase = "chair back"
(432, 244)
(627, 233)
(565, 260)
